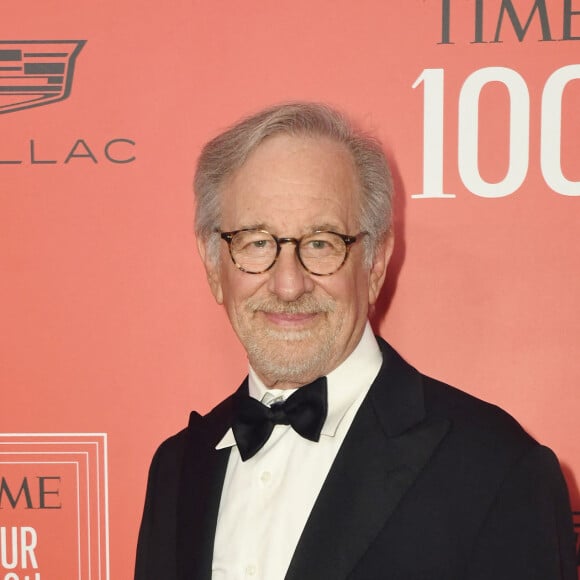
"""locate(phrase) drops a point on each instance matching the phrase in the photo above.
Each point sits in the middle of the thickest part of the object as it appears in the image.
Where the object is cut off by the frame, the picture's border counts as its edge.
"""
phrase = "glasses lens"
(323, 252)
(254, 251)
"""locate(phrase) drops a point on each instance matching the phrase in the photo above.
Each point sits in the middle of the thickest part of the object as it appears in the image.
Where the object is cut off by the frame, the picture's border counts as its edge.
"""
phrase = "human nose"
(288, 279)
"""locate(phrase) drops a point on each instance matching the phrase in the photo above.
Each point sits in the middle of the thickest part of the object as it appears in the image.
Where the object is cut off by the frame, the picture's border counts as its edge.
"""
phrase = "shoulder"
(470, 413)
(201, 432)
(482, 436)
(167, 459)
(498, 496)
(485, 447)
(478, 430)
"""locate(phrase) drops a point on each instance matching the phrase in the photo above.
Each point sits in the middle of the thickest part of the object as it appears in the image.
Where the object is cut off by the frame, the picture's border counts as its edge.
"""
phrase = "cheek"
(239, 287)
(354, 293)
(342, 290)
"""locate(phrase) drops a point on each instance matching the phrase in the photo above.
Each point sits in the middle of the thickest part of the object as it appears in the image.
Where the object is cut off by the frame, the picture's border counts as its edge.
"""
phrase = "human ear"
(378, 269)
(212, 269)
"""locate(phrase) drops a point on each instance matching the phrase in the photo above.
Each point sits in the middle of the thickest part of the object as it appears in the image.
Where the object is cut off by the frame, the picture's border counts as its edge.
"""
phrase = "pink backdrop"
(109, 335)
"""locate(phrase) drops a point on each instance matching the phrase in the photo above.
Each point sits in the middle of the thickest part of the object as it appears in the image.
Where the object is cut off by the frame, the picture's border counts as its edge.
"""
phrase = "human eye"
(254, 242)
(318, 244)
(259, 243)
(321, 244)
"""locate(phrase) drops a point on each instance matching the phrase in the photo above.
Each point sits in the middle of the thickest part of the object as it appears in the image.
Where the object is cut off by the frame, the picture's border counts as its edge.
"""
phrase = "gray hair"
(227, 152)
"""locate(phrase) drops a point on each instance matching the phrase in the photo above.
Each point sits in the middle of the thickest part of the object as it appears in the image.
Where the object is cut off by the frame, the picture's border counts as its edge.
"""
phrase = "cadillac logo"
(36, 72)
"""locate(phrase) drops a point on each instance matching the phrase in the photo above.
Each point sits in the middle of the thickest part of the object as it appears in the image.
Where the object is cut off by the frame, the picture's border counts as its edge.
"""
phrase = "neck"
(284, 384)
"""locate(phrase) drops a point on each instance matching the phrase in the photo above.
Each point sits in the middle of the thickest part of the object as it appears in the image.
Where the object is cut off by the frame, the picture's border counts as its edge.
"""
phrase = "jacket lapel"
(202, 476)
(387, 446)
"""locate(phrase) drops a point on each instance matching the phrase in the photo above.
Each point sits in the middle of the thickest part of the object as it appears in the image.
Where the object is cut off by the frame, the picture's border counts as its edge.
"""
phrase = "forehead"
(293, 181)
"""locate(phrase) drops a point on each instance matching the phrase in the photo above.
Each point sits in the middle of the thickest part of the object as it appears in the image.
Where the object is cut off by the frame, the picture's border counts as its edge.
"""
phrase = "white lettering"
(468, 150)
(21, 542)
(551, 144)
(519, 132)
(432, 79)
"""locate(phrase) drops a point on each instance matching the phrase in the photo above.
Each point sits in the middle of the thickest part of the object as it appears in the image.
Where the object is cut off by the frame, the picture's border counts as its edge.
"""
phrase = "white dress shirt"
(267, 499)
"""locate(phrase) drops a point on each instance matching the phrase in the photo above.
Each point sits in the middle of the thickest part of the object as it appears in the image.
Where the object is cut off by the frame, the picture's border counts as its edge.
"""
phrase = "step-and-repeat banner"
(108, 333)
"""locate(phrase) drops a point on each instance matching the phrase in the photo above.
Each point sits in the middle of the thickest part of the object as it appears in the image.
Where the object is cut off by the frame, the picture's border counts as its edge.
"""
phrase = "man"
(335, 459)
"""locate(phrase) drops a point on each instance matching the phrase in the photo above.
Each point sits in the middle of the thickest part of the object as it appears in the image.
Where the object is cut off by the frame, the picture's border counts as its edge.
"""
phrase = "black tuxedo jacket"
(429, 484)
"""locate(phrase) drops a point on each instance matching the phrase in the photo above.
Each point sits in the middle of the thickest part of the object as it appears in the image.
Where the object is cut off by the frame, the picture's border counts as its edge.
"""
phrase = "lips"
(290, 319)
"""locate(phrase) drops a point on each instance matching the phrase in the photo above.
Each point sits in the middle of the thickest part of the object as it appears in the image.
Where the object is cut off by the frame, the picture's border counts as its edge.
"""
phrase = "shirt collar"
(347, 383)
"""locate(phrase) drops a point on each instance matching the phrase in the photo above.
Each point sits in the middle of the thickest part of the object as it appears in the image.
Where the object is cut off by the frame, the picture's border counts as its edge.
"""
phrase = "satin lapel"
(388, 445)
(202, 478)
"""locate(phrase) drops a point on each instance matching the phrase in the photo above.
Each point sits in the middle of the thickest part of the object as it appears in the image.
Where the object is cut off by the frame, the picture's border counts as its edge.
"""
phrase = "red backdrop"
(109, 335)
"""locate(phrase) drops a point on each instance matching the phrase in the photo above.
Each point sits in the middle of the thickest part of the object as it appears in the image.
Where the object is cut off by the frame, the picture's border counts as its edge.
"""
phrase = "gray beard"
(273, 357)
(278, 355)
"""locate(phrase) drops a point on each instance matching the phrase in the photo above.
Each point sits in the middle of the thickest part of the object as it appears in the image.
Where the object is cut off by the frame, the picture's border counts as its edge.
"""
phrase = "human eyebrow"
(253, 226)
(325, 227)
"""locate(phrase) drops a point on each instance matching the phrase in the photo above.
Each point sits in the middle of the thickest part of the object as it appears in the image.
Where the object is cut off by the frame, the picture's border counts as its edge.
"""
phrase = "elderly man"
(335, 459)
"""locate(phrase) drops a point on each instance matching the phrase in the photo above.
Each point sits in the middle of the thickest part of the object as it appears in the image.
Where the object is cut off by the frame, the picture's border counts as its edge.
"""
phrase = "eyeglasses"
(255, 251)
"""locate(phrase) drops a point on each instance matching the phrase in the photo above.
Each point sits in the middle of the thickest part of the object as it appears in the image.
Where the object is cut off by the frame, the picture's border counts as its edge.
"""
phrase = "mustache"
(303, 305)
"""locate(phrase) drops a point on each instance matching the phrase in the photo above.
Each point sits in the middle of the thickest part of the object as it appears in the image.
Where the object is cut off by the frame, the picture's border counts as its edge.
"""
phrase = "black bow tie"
(305, 410)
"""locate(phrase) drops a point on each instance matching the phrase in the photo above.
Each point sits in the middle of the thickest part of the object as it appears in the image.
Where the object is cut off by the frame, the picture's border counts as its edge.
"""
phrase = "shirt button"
(251, 570)
(266, 477)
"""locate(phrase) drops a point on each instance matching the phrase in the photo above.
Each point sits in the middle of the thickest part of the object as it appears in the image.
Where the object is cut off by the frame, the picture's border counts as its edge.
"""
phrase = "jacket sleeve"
(156, 547)
(528, 532)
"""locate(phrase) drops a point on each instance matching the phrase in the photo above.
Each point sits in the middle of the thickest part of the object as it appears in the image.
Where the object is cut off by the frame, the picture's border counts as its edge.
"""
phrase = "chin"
(289, 361)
